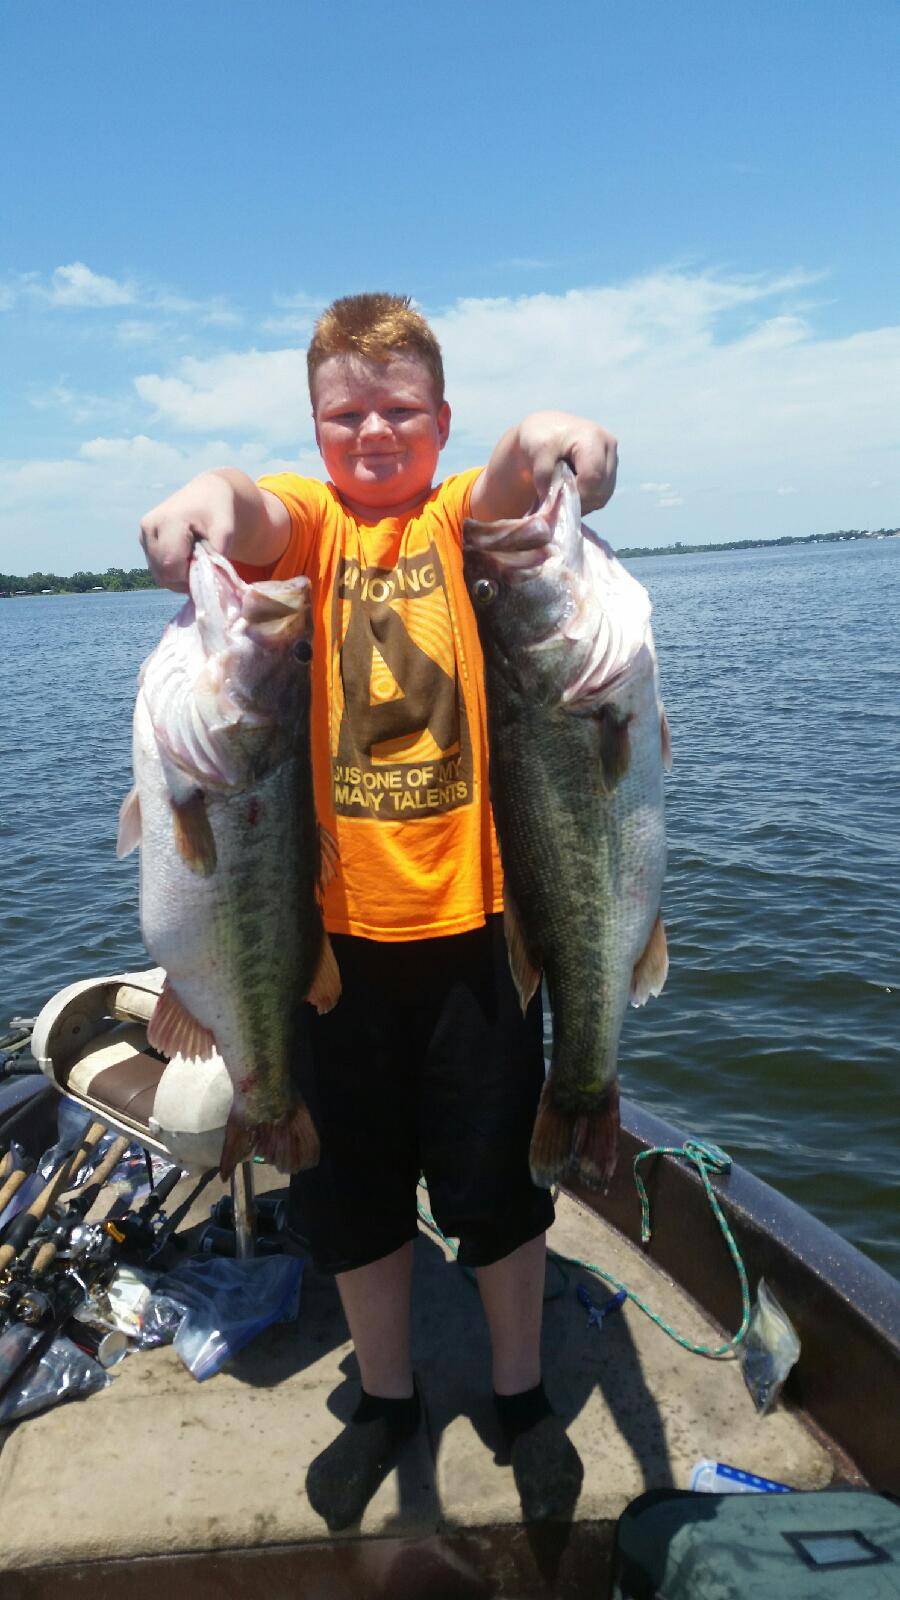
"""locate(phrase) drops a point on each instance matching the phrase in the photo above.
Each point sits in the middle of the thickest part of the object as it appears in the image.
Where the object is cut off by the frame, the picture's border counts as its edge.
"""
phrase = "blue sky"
(682, 220)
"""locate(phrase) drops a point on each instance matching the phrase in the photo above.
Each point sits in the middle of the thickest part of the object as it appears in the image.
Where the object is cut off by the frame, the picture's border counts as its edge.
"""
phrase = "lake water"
(776, 1035)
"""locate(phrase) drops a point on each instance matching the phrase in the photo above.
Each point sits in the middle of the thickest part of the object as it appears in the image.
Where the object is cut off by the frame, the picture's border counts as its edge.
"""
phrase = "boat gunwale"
(845, 1307)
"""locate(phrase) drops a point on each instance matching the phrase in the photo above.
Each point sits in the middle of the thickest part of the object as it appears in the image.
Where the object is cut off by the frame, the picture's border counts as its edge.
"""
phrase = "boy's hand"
(224, 506)
(521, 466)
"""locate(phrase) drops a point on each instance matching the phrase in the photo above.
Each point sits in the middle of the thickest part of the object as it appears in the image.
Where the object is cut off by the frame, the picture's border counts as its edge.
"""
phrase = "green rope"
(708, 1159)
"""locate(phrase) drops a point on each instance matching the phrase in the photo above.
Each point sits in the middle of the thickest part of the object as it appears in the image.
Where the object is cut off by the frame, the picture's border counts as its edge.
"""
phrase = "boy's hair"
(377, 326)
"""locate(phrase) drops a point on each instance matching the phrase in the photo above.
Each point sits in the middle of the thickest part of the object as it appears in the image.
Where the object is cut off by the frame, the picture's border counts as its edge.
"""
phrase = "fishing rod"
(15, 1179)
(52, 1235)
(23, 1227)
(47, 1248)
(94, 1251)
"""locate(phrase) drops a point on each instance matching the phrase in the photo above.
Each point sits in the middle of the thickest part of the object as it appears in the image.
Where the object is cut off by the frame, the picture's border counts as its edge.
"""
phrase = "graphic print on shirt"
(400, 740)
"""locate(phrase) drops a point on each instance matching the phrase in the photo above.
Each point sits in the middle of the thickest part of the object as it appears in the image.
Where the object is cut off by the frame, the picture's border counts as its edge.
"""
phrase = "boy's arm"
(224, 506)
(521, 465)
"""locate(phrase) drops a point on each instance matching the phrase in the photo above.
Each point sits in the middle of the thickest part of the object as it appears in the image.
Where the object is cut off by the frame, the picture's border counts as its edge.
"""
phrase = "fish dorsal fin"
(175, 1032)
(615, 746)
(651, 967)
(328, 856)
(325, 989)
(665, 739)
(526, 972)
(129, 836)
(193, 835)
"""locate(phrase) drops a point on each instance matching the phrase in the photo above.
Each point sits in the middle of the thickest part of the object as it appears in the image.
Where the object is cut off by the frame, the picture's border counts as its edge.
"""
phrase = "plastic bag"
(123, 1302)
(227, 1303)
(63, 1372)
(771, 1347)
(162, 1318)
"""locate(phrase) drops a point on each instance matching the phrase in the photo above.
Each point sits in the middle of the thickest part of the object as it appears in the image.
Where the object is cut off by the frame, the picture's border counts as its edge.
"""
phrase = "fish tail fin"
(291, 1144)
(325, 989)
(238, 1143)
(551, 1143)
(583, 1144)
(596, 1142)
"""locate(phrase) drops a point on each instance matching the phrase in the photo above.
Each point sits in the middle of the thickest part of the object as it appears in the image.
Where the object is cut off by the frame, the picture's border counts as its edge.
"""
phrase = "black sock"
(342, 1480)
(520, 1411)
(546, 1466)
(401, 1416)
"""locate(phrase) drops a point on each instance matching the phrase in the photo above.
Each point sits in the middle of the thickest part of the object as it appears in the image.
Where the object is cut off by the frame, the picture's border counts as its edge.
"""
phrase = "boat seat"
(90, 1040)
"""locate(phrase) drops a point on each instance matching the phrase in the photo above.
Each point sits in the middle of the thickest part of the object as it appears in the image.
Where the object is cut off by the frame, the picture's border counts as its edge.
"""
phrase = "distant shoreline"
(844, 536)
(117, 581)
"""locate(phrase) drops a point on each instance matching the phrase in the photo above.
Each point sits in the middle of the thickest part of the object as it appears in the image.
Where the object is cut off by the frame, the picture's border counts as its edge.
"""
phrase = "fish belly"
(232, 942)
(584, 867)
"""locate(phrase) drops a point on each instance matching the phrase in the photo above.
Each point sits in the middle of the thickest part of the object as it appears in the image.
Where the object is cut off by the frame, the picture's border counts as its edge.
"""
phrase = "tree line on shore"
(679, 549)
(114, 579)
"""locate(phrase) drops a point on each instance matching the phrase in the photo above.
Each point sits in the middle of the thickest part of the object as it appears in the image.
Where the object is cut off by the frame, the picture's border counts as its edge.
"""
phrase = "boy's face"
(379, 429)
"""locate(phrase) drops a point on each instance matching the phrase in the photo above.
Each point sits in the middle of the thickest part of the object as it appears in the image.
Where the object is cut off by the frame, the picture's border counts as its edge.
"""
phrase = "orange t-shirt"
(399, 732)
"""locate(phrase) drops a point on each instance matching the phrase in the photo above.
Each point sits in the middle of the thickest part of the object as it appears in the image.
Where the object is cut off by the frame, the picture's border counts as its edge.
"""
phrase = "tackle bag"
(676, 1545)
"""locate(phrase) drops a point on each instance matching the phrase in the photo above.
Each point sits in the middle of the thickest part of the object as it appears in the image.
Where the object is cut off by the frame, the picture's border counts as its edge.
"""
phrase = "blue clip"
(597, 1313)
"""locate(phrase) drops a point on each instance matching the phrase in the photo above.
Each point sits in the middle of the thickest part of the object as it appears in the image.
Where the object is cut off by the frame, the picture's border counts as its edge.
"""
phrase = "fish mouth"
(276, 610)
(520, 547)
(269, 609)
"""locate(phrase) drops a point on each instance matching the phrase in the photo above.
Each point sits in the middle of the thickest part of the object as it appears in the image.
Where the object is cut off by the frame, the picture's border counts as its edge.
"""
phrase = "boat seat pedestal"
(90, 1041)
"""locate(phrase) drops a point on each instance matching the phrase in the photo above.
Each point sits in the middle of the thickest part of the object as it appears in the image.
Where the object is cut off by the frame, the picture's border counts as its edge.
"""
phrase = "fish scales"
(577, 741)
(230, 848)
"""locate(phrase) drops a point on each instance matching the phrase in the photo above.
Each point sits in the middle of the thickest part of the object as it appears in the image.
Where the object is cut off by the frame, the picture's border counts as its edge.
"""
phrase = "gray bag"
(675, 1545)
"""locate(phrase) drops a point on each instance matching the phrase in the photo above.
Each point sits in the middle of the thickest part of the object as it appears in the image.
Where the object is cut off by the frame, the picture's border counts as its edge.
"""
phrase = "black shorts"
(425, 1065)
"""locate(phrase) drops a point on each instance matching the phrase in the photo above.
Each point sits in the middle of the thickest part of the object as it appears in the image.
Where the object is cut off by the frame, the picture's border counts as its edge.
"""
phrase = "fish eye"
(303, 650)
(484, 590)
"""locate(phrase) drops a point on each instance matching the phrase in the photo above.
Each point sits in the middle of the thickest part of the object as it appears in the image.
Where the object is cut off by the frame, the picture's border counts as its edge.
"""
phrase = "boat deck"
(160, 1465)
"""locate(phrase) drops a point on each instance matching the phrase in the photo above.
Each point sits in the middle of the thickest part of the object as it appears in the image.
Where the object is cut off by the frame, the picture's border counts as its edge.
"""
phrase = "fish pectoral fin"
(292, 1143)
(526, 972)
(652, 966)
(175, 1032)
(615, 746)
(193, 835)
(665, 740)
(325, 989)
(237, 1145)
(328, 856)
(129, 836)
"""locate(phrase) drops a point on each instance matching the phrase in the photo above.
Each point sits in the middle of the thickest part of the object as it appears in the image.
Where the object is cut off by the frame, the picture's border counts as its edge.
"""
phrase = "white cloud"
(735, 414)
(77, 285)
(137, 330)
(297, 313)
(261, 390)
(710, 383)
(84, 511)
(666, 494)
(80, 406)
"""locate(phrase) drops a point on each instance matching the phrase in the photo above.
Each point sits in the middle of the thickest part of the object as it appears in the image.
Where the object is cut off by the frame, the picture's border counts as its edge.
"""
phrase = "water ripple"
(777, 1032)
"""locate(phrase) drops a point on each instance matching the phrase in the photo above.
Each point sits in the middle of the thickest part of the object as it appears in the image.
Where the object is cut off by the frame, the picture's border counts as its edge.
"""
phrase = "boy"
(426, 1063)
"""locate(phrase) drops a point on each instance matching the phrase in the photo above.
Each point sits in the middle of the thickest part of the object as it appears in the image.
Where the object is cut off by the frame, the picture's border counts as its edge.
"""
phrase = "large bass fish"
(578, 741)
(222, 808)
